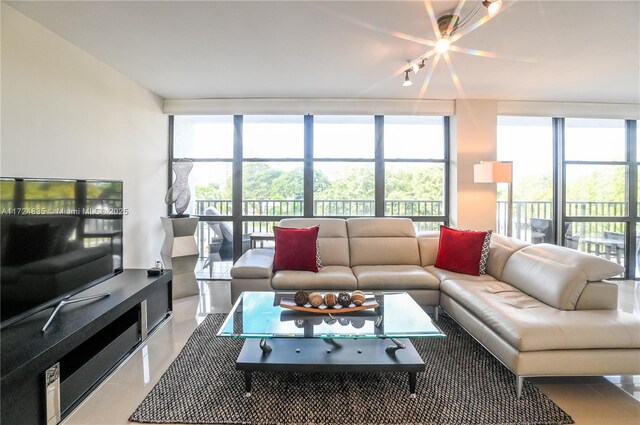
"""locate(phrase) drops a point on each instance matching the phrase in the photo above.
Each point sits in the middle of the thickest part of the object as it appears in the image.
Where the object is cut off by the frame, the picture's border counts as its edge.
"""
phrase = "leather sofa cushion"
(382, 241)
(384, 251)
(394, 277)
(254, 264)
(328, 277)
(442, 274)
(380, 227)
(332, 238)
(501, 249)
(555, 275)
(428, 244)
(595, 268)
(530, 325)
(598, 296)
(556, 284)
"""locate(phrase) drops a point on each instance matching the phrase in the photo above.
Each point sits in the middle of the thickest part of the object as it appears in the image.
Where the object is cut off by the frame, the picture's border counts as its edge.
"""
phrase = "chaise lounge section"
(542, 310)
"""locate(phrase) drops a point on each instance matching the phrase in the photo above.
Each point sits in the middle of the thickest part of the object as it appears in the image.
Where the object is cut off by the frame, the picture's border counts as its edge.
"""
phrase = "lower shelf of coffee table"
(338, 355)
(321, 355)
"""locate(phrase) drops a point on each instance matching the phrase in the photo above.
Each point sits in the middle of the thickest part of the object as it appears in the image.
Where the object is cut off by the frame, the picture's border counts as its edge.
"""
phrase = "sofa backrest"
(428, 243)
(501, 249)
(382, 241)
(332, 238)
(554, 274)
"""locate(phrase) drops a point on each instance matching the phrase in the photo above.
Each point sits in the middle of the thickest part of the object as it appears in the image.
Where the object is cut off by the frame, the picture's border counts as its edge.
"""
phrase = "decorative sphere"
(357, 298)
(301, 298)
(357, 323)
(315, 299)
(330, 299)
(344, 299)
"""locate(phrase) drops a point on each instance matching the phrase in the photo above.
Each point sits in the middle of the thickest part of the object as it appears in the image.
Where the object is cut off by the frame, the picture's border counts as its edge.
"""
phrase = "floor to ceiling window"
(209, 142)
(272, 171)
(415, 168)
(528, 142)
(251, 171)
(343, 172)
(575, 183)
(596, 187)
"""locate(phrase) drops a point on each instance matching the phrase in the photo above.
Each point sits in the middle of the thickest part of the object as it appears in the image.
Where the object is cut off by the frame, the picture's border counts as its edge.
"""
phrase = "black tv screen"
(58, 237)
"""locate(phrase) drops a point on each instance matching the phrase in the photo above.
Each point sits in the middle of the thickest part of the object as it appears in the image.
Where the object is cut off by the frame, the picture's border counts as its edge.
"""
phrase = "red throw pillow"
(460, 250)
(296, 249)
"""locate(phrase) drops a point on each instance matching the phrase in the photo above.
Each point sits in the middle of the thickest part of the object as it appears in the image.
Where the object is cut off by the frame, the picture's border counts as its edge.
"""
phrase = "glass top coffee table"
(373, 340)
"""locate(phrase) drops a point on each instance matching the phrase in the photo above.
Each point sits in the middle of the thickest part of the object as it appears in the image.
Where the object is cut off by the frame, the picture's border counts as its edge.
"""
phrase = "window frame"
(238, 219)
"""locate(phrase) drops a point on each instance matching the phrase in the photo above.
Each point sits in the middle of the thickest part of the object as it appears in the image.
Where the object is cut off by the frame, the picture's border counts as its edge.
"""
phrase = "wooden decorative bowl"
(323, 309)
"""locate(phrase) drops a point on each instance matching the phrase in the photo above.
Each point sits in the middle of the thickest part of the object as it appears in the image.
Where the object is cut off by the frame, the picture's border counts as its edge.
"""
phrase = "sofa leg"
(519, 382)
(436, 312)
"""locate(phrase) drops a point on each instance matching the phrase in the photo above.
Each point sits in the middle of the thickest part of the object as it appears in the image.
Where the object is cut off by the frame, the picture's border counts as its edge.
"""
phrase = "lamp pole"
(509, 209)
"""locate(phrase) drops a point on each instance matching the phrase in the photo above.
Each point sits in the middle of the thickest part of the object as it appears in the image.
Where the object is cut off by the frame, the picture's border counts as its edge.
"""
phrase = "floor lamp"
(497, 172)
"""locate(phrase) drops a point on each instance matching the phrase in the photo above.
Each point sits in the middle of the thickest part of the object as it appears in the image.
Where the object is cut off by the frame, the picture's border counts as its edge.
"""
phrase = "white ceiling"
(585, 51)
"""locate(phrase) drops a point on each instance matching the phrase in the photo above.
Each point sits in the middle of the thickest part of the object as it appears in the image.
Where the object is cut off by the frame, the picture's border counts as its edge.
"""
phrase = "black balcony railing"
(341, 207)
(524, 211)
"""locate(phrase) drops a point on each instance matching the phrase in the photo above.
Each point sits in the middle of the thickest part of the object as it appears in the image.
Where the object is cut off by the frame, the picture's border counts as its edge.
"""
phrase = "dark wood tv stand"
(86, 340)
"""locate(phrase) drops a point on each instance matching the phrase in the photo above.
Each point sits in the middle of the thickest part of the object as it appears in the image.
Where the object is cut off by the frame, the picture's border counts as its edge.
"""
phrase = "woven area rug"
(463, 384)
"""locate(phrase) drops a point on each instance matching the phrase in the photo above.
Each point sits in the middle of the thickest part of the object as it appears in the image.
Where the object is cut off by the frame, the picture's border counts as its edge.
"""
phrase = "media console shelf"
(46, 375)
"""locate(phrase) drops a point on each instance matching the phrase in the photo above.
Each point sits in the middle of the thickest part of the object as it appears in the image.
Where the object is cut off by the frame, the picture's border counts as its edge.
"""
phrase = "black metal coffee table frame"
(329, 355)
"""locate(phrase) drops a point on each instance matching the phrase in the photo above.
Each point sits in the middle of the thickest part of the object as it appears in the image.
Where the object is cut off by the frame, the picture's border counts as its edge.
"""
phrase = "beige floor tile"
(586, 405)
(110, 404)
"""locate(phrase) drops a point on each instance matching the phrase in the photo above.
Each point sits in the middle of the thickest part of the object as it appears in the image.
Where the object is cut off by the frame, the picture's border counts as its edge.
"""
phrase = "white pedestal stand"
(180, 253)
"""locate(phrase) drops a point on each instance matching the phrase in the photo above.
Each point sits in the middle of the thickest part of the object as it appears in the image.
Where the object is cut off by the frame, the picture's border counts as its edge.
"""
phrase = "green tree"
(209, 191)
(257, 180)
(355, 182)
(420, 184)
(604, 184)
(288, 185)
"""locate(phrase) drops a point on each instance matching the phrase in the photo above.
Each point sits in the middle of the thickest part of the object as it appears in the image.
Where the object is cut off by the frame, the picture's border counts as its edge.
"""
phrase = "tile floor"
(589, 400)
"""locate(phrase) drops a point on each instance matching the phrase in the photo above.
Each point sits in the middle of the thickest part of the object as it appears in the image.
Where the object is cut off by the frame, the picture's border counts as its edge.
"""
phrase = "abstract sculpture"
(179, 193)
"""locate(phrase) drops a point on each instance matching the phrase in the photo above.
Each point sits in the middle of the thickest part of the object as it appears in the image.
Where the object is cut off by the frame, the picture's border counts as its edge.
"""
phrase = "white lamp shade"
(493, 172)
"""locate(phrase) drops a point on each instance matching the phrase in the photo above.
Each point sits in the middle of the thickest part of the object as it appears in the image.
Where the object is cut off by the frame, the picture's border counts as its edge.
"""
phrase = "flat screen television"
(58, 238)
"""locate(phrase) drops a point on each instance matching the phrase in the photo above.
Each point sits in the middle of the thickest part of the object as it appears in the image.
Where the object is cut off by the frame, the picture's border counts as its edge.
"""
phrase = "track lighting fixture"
(449, 24)
(493, 6)
(415, 67)
(407, 81)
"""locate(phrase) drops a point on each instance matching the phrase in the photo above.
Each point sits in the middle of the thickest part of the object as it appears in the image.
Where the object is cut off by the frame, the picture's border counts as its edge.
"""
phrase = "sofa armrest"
(254, 264)
(600, 295)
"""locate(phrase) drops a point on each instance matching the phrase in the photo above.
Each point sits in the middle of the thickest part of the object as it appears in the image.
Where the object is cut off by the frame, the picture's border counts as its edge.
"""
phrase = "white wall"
(473, 139)
(67, 114)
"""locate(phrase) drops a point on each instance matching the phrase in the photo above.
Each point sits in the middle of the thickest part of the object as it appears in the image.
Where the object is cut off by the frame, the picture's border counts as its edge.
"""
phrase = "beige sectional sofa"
(542, 310)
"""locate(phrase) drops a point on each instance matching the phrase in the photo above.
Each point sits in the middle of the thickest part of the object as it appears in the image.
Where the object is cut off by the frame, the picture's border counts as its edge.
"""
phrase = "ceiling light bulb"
(493, 7)
(442, 45)
(407, 81)
(415, 67)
